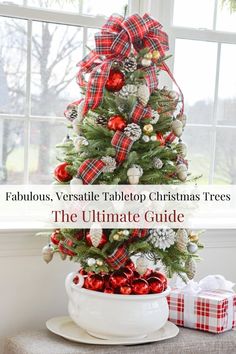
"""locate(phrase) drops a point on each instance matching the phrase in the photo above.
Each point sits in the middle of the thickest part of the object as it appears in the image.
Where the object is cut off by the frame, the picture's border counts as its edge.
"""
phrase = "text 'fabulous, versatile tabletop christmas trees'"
(125, 130)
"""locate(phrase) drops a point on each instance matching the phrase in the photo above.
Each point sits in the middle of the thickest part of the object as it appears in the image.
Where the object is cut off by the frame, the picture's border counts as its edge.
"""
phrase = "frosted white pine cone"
(162, 238)
(110, 164)
(157, 163)
(133, 131)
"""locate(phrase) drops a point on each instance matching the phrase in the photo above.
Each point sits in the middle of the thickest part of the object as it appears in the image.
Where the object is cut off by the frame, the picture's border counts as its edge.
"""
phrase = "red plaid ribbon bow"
(115, 42)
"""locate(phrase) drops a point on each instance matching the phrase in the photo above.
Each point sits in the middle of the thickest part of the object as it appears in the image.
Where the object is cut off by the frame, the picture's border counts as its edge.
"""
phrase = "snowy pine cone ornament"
(110, 164)
(157, 163)
(128, 90)
(130, 64)
(101, 120)
(133, 131)
(162, 238)
(191, 268)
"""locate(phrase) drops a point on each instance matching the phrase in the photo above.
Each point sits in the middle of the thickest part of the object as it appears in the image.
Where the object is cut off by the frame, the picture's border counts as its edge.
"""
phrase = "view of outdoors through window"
(37, 81)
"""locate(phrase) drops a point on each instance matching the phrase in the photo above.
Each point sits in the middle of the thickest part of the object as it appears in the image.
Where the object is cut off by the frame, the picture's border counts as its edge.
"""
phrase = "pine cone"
(191, 268)
(181, 240)
(101, 120)
(133, 131)
(130, 64)
(128, 90)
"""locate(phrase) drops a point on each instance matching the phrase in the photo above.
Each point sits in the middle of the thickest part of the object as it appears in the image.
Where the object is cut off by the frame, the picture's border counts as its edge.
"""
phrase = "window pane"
(11, 151)
(58, 5)
(195, 67)
(226, 19)
(12, 65)
(42, 153)
(104, 7)
(56, 51)
(192, 13)
(199, 151)
(225, 163)
(227, 86)
(90, 38)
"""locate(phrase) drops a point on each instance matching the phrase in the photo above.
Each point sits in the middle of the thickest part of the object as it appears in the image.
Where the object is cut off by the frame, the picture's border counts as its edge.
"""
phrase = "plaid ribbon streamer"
(151, 77)
(140, 112)
(115, 42)
(170, 138)
(122, 143)
(181, 160)
(90, 170)
(139, 233)
(118, 258)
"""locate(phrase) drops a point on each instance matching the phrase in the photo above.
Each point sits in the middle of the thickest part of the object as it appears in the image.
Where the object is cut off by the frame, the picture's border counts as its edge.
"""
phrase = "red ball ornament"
(115, 81)
(128, 272)
(79, 235)
(61, 173)
(54, 238)
(140, 287)
(76, 280)
(118, 279)
(125, 290)
(130, 264)
(82, 272)
(116, 123)
(147, 274)
(109, 291)
(162, 278)
(155, 285)
(136, 275)
(102, 242)
(160, 139)
(95, 282)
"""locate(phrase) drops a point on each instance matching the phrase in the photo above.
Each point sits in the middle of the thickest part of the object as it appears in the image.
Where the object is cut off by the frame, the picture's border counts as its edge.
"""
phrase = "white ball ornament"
(91, 262)
(146, 138)
(153, 138)
(192, 247)
(177, 127)
(146, 62)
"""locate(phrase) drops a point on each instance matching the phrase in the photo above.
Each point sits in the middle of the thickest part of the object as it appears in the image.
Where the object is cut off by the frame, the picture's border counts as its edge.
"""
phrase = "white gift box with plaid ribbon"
(209, 305)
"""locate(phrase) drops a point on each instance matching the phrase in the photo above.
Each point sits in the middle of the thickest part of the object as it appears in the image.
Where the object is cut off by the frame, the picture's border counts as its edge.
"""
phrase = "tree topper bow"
(115, 42)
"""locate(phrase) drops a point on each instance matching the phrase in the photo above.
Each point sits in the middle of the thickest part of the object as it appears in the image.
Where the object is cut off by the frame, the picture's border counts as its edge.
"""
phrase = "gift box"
(209, 305)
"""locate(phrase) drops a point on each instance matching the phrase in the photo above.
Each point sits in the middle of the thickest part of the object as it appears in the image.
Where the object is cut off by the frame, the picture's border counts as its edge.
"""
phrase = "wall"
(32, 291)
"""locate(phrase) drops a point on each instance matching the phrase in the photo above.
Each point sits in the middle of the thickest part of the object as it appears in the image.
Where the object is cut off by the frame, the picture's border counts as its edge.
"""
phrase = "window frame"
(30, 14)
(165, 9)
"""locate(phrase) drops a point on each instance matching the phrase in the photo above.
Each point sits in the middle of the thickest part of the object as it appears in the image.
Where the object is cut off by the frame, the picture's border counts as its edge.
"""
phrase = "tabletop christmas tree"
(125, 130)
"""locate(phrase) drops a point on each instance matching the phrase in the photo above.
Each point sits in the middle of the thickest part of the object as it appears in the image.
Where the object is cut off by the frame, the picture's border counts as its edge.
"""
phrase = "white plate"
(66, 328)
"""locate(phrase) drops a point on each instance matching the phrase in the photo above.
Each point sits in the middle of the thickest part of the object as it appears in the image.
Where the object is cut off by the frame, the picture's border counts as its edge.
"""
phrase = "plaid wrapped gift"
(209, 310)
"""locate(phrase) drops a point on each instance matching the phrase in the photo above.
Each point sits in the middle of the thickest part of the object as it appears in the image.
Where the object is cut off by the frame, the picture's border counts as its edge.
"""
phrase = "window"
(203, 43)
(41, 43)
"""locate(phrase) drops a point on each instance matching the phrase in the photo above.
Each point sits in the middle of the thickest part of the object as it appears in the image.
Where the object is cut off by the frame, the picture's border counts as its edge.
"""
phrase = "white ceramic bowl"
(112, 315)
